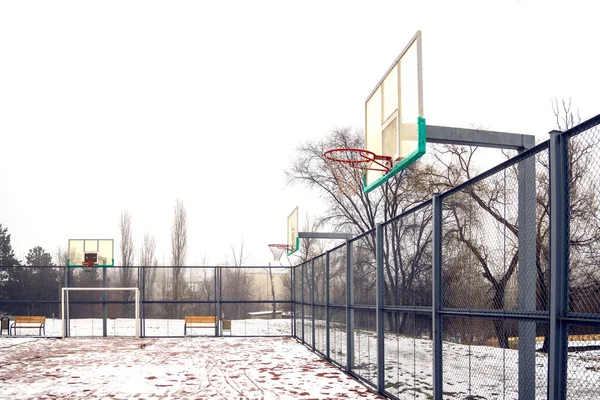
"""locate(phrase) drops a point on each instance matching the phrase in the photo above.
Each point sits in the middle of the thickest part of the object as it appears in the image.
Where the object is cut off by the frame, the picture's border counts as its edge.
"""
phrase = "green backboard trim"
(95, 265)
(295, 249)
(412, 157)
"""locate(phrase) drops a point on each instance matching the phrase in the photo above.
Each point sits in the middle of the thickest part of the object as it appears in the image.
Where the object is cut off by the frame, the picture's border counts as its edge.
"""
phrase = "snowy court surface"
(171, 368)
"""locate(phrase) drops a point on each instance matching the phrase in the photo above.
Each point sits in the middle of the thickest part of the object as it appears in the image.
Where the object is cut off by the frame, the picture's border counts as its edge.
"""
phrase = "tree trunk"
(498, 303)
(501, 334)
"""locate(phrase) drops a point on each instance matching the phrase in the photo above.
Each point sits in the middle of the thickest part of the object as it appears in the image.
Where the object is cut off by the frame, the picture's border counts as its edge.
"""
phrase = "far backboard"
(293, 242)
(394, 120)
(102, 249)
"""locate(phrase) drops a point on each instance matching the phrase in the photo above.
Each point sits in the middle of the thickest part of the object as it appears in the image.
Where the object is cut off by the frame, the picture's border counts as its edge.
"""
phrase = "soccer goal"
(65, 304)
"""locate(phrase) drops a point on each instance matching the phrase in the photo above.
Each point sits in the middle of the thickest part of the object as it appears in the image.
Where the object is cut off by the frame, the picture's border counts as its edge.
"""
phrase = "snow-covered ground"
(468, 371)
(174, 368)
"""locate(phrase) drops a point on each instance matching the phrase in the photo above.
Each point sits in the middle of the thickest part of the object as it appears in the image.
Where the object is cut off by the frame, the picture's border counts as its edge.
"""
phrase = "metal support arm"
(481, 138)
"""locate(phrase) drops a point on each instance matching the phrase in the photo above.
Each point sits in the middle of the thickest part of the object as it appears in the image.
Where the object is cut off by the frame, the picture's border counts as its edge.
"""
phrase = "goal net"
(119, 327)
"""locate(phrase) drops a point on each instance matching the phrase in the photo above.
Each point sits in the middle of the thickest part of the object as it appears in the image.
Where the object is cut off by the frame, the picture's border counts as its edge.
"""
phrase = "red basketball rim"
(364, 159)
(279, 246)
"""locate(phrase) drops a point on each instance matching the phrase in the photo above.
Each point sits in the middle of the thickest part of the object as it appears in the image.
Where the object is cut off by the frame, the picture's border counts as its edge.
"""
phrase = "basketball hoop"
(278, 250)
(349, 166)
(88, 265)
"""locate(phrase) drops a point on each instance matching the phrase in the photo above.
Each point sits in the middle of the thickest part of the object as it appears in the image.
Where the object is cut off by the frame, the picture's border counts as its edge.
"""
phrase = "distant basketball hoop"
(90, 259)
(278, 250)
(88, 265)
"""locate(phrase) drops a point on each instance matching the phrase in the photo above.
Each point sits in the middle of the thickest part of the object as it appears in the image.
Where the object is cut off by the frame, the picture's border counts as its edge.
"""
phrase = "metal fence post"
(327, 316)
(302, 294)
(215, 288)
(437, 298)
(141, 288)
(349, 310)
(380, 316)
(527, 275)
(64, 309)
(559, 259)
(293, 298)
(104, 311)
(219, 298)
(312, 302)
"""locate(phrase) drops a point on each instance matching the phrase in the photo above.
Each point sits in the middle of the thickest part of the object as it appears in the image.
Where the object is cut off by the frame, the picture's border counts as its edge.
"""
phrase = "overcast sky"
(128, 105)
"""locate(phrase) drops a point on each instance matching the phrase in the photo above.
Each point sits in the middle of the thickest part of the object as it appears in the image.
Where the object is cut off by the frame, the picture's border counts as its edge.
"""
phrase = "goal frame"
(65, 296)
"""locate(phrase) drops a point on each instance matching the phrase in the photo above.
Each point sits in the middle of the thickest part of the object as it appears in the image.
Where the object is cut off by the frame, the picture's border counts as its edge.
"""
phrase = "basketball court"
(215, 368)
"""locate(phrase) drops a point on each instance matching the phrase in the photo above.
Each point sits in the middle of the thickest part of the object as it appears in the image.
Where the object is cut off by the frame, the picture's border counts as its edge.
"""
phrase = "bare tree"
(354, 213)
(126, 239)
(61, 256)
(126, 273)
(238, 283)
(238, 258)
(474, 211)
(274, 304)
(358, 214)
(148, 259)
(565, 118)
(178, 252)
(179, 235)
(148, 251)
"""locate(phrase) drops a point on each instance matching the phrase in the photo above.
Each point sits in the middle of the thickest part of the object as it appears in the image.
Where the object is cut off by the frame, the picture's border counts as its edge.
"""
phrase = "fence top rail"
(584, 126)
(361, 236)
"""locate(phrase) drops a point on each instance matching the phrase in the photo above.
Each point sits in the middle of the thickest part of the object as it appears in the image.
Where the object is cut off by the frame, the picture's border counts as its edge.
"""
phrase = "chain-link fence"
(246, 301)
(578, 324)
(491, 290)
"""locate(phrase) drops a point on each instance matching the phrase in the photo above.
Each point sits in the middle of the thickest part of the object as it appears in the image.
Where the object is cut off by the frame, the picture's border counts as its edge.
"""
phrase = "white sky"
(129, 105)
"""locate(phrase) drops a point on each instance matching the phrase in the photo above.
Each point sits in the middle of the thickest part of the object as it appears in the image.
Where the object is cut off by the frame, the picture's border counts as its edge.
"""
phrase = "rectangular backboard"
(293, 242)
(394, 120)
(103, 248)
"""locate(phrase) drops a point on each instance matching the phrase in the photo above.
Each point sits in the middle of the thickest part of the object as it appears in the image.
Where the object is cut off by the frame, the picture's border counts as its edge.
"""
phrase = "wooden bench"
(199, 322)
(226, 325)
(29, 321)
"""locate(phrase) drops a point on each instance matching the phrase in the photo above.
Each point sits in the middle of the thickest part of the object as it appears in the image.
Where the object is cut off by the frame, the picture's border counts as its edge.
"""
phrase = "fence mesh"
(337, 276)
(583, 368)
(408, 356)
(584, 223)
(256, 300)
(338, 337)
(321, 330)
(363, 270)
(407, 259)
(365, 345)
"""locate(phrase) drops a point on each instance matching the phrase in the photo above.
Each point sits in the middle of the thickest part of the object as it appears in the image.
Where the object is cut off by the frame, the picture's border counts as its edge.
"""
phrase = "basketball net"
(277, 250)
(349, 179)
(88, 265)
